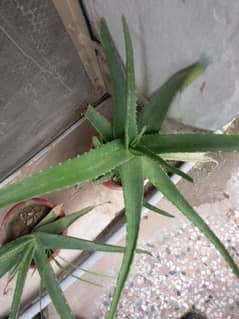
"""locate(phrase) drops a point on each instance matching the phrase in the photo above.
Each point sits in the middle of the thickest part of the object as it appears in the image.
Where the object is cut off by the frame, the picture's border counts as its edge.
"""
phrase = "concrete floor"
(185, 270)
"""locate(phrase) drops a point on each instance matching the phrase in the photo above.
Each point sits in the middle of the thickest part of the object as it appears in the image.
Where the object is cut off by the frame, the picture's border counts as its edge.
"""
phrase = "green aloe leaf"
(69, 273)
(41, 288)
(59, 225)
(187, 143)
(155, 111)
(117, 75)
(130, 119)
(96, 274)
(7, 265)
(137, 139)
(187, 157)
(132, 180)
(10, 255)
(96, 142)
(164, 184)
(12, 273)
(12, 249)
(93, 273)
(196, 71)
(21, 278)
(156, 209)
(74, 171)
(50, 217)
(51, 283)
(89, 282)
(172, 169)
(52, 241)
(100, 123)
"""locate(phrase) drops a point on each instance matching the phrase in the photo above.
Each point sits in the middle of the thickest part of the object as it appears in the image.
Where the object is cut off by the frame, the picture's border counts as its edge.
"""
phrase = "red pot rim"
(39, 200)
(112, 185)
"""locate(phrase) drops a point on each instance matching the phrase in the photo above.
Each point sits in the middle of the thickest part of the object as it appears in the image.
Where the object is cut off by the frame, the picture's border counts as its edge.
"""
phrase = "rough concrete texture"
(185, 271)
(169, 35)
(43, 82)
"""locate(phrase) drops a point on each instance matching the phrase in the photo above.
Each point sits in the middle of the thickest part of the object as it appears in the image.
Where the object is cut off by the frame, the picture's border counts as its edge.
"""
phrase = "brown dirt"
(26, 219)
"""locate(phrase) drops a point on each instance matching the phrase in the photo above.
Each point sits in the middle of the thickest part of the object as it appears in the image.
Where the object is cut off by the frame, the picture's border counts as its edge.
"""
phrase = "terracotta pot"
(14, 210)
(112, 185)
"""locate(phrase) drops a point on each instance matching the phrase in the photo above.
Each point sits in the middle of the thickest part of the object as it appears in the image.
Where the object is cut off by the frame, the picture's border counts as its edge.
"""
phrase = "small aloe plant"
(38, 247)
(131, 148)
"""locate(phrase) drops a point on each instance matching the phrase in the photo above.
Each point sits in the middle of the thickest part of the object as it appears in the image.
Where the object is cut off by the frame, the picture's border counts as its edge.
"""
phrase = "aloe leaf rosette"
(133, 147)
(17, 256)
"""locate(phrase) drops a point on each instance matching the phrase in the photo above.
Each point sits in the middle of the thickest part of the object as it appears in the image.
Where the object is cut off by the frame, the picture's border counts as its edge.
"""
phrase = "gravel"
(184, 273)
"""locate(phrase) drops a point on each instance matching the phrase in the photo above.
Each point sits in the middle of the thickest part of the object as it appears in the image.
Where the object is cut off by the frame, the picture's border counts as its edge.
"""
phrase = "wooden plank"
(74, 21)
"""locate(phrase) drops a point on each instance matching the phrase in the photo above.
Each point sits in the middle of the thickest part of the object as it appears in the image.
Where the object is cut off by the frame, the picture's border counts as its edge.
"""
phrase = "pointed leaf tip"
(117, 76)
(164, 184)
(130, 115)
(154, 112)
(193, 75)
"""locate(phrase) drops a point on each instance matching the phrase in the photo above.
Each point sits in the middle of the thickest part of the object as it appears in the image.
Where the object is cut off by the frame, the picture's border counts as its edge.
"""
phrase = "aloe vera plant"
(132, 149)
(17, 256)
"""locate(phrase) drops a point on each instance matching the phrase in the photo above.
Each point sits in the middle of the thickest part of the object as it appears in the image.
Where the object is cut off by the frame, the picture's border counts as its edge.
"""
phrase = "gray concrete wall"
(43, 85)
(169, 35)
